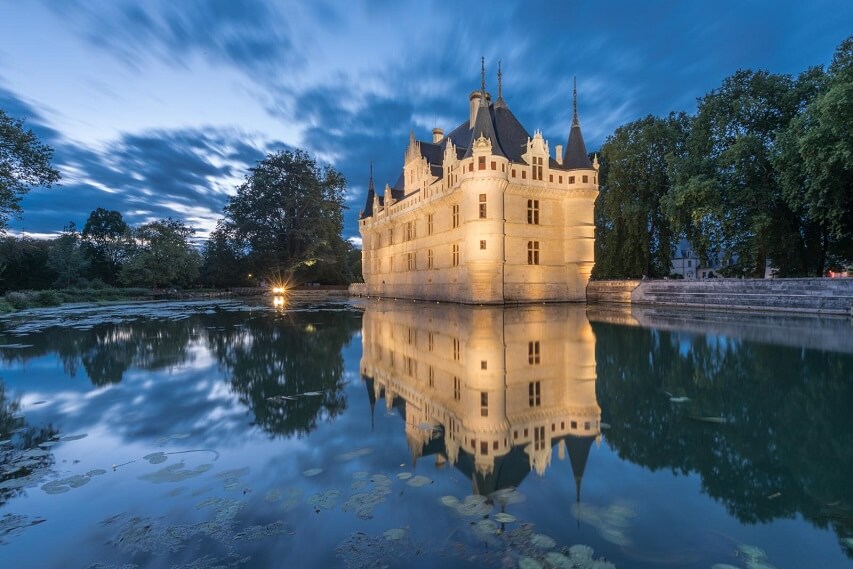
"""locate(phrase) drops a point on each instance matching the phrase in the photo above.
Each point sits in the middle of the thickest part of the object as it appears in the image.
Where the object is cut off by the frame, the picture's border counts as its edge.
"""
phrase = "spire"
(483, 76)
(500, 102)
(368, 207)
(575, 102)
(575, 156)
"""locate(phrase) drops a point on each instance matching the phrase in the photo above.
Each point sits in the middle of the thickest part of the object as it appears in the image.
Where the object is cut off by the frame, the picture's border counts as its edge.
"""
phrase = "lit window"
(484, 404)
(455, 215)
(534, 391)
(533, 353)
(533, 212)
(481, 163)
(533, 252)
(482, 206)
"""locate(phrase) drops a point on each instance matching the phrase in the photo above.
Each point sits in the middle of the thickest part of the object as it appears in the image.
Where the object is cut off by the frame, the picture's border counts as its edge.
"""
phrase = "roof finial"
(575, 102)
(500, 81)
(370, 186)
(483, 74)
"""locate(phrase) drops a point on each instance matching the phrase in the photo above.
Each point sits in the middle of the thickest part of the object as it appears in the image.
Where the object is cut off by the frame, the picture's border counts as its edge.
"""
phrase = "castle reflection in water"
(494, 391)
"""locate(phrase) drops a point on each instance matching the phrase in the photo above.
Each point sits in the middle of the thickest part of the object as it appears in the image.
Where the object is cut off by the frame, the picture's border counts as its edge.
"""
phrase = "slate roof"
(509, 139)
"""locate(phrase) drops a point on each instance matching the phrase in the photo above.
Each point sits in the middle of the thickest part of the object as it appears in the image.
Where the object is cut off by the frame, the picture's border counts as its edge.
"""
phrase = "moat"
(409, 434)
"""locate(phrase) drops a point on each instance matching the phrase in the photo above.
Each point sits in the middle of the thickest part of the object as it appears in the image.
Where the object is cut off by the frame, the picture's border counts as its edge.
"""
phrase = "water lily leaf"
(450, 501)
(155, 457)
(542, 541)
(419, 481)
(312, 472)
(526, 562)
(580, 552)
(723, 566)
(486, 526)
(395, 534)
(360, 475)
(73, 437)
(679, 399)
(504, 518)
(751, 552)
(404, 475)
(558, 560)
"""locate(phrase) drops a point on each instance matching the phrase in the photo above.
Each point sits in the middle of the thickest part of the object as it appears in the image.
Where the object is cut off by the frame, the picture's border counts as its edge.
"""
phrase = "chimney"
(474, 100)
(437, 135)
(559, 157)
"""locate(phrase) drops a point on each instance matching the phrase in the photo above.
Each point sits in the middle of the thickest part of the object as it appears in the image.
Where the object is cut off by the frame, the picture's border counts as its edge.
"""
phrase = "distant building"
(492, 391)
(484, 214)
(687, 263)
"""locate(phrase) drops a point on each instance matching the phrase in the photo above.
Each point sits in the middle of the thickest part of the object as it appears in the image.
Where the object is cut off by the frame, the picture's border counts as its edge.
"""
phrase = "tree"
(24, 261)
(163, 255)
(633, 237)
(224, 263)
(726, 195)
(815, 163)
(106, 242)
(288, 217)
(24, 162)
(65, 257)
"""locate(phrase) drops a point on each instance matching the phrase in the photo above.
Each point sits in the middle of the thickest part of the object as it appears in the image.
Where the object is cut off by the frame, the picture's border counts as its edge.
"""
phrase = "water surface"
(409, 434)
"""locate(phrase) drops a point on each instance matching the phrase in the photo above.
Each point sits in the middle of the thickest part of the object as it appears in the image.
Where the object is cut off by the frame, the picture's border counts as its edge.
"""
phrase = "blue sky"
(158, 108)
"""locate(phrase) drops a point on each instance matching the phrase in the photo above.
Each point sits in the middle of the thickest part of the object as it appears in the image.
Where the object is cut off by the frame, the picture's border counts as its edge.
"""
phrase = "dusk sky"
(158, 108)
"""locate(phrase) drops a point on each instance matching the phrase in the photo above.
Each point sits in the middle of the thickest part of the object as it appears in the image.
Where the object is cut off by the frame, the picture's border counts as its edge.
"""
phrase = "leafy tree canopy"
(24, 162)
(163, 255)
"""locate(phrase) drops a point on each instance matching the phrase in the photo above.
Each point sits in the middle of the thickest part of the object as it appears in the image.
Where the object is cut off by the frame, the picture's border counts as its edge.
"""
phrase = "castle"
(484, 214)
(492, 391)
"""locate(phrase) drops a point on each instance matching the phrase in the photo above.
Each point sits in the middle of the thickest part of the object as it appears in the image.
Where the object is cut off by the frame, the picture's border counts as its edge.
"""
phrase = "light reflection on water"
(351, 434)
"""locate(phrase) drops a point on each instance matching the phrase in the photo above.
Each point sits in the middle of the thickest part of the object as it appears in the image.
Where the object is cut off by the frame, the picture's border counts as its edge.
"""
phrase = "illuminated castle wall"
(506, 385)
(484, 214)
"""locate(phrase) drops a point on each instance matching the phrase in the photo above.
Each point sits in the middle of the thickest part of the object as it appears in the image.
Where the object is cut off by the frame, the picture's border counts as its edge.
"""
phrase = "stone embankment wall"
(813, 295)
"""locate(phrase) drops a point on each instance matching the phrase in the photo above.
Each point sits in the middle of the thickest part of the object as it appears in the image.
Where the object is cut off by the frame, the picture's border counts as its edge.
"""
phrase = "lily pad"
(155, 457)
(404, 475)
(558, 560)
(751, 552)
(395, 534)
(312, 472)
(487, 526)
(526, 562)
(504, 518)
(542, 541)
(450, 501)
(73, 437)
(580, 552)
(419, 481)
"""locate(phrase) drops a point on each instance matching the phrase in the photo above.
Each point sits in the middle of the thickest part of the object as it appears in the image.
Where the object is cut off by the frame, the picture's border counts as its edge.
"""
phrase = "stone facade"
(490, 390)
(485, 214)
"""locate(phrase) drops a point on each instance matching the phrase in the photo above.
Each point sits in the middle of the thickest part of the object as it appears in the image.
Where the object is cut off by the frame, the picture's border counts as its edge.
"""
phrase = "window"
(513, 172)
(536, 171)
(378, 240)
(430, 341)
(533, 212)
(411, 367)
(482, 206)
(574, 424)
(533, 353)
(484, 404)
(429, 258)
(412, 336)
(390, 236)
(585, 179)
(410, 230)
(429, 224)
(494, 165)
(471, 167)
(571, 179)
(534, 392)
(484, 364)
(457, 388)
(533, 252)
(482, 243)
(455, 254)
(431, 376)
(551, 177)
(524, 174)
(456, 349)
(455, 215)
(484, 447)
(411, 261)
(561, 179)
(689, 263)
(538, 438)
(481, 163)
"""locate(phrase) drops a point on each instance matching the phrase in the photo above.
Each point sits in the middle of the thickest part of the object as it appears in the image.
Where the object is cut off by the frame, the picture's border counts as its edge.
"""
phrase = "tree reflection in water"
(767, 428)
(267, 358)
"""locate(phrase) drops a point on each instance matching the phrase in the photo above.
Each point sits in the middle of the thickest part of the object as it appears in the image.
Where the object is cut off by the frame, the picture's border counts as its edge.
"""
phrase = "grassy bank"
(24, 299)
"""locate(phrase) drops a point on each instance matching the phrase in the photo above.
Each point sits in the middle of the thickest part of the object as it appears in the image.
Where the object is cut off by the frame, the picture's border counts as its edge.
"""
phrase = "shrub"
(18, 300)
(48, 298)
(5, 307)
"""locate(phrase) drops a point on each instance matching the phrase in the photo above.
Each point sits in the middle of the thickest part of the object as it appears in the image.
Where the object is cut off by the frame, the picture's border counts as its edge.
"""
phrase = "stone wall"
(812, 295)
